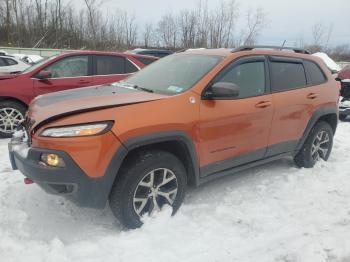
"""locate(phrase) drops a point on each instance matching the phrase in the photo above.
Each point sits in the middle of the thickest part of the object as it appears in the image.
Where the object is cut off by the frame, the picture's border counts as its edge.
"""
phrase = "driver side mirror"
(42, 75)
(222, 90)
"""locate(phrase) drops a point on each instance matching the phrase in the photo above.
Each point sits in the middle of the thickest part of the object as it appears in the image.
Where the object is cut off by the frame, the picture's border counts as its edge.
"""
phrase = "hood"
(52, 106)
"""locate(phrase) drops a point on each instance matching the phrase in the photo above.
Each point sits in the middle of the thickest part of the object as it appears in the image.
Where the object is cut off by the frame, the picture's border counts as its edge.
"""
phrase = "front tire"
(318, 145)
(11, 114)
(146, 183)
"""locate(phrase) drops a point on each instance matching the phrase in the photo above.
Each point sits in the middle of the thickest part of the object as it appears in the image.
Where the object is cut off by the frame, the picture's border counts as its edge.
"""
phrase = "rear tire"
(11, 114)
(318, 145)
(145, 183)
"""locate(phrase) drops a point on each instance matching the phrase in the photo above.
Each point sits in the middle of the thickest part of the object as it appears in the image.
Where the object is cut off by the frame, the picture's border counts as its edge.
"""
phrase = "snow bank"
(275, 212)
(328, 61)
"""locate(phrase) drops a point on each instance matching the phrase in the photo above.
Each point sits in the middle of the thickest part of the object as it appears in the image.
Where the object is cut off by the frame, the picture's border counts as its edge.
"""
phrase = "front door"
(67, 73)
(235, 131)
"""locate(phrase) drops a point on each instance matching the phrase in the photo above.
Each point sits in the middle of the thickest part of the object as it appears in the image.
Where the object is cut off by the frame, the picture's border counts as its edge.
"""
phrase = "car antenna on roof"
(284, 42)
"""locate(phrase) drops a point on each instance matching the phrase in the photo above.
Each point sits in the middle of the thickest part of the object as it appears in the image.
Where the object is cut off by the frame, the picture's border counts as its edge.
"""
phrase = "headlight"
(78, 130)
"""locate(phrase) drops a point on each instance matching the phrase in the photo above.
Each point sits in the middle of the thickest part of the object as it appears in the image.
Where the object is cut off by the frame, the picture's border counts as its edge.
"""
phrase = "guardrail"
(44, 52)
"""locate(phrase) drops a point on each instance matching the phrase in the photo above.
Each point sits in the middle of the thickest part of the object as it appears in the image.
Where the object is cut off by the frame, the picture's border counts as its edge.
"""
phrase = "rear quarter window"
(287, 76)
(317, 77)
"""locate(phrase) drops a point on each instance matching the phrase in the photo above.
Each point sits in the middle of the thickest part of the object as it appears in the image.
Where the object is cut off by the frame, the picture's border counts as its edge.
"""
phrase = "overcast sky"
(288, 19)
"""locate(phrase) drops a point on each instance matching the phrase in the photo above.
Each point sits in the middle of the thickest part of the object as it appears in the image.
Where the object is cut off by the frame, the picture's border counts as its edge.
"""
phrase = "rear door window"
(109, 65)
(287, 76)
(317, 77)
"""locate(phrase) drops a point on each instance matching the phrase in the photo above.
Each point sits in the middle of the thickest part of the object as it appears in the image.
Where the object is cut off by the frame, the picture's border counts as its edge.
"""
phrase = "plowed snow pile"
(275, 212)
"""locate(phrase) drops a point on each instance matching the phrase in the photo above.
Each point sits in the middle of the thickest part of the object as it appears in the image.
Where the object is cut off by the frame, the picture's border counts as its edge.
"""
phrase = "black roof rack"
(251, 47)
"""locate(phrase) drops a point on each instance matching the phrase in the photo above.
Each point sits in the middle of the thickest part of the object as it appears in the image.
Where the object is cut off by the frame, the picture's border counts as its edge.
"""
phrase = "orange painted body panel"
(41, 113)
(229, 128)
(293, 110)
(92, 154)
(220, 129)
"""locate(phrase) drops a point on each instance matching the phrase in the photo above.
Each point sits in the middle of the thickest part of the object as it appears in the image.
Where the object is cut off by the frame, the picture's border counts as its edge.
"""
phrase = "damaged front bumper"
(69, 181)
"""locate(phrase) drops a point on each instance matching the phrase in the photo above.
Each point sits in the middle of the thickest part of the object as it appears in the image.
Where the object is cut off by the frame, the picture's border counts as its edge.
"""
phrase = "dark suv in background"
(152, 52)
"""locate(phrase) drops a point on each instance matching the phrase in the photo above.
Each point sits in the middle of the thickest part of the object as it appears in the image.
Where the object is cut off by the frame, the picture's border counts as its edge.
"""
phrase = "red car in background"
(344, 73)
(344, 104)
(61, 72)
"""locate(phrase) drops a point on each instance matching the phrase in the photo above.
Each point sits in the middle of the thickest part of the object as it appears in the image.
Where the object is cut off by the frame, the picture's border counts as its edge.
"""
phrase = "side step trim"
(236, 169)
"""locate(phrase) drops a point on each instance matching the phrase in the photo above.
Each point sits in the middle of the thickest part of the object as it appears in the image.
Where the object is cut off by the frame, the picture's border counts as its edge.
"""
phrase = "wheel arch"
(12, 99)
(327, 114)
(176, 142)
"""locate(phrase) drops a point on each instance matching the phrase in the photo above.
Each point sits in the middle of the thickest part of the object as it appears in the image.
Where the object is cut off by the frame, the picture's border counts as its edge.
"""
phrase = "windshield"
(173, 74)
(35, 66)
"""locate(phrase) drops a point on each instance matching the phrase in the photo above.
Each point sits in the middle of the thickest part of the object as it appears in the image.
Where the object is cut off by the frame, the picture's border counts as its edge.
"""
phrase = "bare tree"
(256, 22)
(318, 32)
(148, 35)
(187, 23)
(202, 32)
(58, 24)
(91, 6)
(321, 35)
(222, 24)
(131, 29)
(168, 31)
(8, 21)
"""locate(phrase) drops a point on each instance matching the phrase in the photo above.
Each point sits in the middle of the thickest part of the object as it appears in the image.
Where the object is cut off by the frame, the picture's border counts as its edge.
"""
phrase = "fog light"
(52, 160)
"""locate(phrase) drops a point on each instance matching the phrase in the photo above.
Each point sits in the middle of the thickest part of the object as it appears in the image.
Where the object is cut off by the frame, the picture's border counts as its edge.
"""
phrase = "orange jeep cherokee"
(184, 120)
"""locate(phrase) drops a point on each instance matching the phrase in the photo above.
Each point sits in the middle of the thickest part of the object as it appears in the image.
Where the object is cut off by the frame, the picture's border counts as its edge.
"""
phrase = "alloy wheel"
(10, 118)
(320, 146)
(156, 188)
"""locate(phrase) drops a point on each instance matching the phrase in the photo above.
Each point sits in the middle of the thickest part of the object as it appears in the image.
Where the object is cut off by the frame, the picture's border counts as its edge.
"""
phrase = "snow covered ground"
(274, 212)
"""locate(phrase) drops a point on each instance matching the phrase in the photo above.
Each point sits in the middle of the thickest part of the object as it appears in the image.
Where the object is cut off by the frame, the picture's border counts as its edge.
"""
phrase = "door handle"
(263, 104)
(312, 96)
(84, 82)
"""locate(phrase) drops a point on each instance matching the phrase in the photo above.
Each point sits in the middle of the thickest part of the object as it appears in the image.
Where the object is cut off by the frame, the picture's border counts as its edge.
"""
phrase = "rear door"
(111, 68)
(294, 98)
(67, 73)
(235, 131)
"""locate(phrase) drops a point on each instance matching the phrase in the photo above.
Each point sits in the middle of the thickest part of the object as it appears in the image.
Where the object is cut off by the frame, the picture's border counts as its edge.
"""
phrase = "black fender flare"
(313, 120)
(116, 162)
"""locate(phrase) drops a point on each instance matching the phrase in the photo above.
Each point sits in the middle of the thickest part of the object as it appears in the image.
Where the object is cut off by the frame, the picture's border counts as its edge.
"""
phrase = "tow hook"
(28, 181)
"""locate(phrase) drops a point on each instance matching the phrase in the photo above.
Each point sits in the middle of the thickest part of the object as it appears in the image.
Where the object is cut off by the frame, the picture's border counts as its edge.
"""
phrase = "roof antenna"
(284, 42)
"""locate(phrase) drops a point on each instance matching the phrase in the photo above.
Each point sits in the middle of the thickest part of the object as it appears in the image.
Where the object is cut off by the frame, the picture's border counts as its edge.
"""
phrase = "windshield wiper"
(143, 88)
(136, 86)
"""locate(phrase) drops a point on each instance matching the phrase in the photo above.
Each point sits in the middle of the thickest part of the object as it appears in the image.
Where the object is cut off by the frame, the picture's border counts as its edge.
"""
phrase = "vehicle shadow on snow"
(254, 176)
(52, 216)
